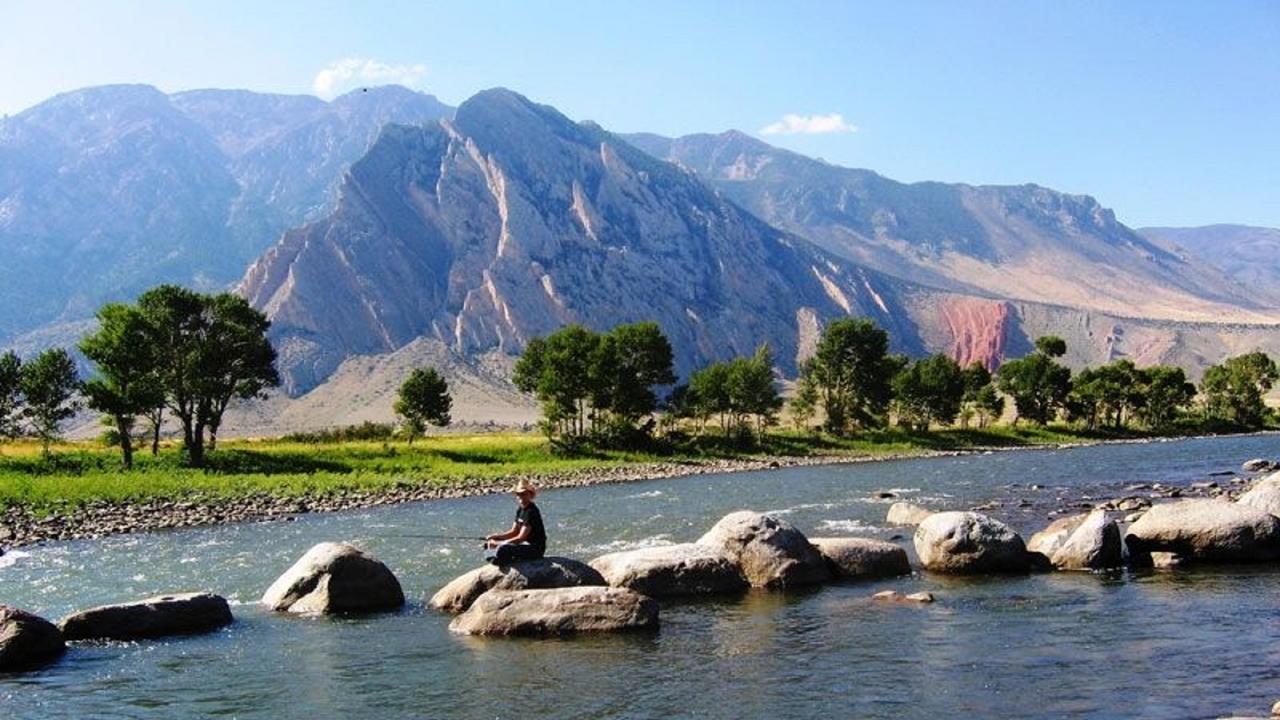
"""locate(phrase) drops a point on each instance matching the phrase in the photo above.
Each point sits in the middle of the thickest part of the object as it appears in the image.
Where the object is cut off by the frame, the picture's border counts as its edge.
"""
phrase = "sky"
(1168, 112)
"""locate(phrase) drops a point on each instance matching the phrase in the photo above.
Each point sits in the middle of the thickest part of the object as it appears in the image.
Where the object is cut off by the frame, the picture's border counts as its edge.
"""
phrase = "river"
(1189, 644)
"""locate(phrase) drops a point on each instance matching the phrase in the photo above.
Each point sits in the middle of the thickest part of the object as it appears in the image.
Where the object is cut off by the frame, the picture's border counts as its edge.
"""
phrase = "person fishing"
(527, 538)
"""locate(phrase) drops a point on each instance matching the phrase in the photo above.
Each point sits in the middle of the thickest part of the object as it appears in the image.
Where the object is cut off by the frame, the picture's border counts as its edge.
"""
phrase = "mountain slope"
(1250, 255)
(510, 221)
(109, 190)
(1021, 243)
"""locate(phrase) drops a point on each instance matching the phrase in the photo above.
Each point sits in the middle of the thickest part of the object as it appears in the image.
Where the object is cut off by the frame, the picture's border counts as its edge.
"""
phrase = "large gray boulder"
(966, 543)
(176, 614)
(688, 569)
(770, 552)
(1083, 542)
(27, 641)
(1206, 531)
(1264, 494)
(853, 557)
(552, 572)
(1258, 465)
(905, 513)
(335, 578)
(558, 611)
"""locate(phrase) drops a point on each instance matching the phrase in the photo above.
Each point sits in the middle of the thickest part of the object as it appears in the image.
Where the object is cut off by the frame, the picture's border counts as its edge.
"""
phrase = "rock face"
(27, 641)
(510, 221)
(1083, 542)
(1264, 494)
(177, 614)
(335, 578)
(770, 552)
(688, 569)
(964, 543)
(551, 572)
(905, 513)
(851, 557)
(559, 611)
(1207, 531)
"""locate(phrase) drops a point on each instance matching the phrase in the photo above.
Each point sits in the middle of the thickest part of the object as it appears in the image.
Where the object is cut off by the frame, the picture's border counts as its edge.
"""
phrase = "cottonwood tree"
(1233, 391)
(1165, 393)
(853, 373)
(423, 400)
(1037, 383)
(804, 404)
(929, 391)
(49, 384)
(1103, 395)
(10, 396)
(126, 385)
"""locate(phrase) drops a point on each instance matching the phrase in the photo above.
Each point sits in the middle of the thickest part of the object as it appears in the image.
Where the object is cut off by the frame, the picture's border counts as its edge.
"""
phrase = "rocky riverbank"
(20, 526)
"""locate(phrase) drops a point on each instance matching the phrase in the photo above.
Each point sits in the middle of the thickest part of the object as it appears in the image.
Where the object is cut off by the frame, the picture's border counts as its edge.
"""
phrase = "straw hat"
(524, 486)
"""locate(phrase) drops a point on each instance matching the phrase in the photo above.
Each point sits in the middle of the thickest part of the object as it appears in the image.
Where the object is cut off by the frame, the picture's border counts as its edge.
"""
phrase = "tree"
(1165, 392)
(49, 384)
(125, 385)
(10, 395)
(976, 379)
(853, 373)
(214, 350)
(424, 400)
(804, 404)
(629, 361)
(929, 391)
(557, 369)
(751, 389)
(1102, 396)
(1233, 391)
(709, 387)
(1038, 385)
(989, 405)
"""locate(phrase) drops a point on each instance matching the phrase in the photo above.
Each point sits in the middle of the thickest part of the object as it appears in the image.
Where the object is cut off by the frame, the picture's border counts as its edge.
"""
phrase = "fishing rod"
(431, 536)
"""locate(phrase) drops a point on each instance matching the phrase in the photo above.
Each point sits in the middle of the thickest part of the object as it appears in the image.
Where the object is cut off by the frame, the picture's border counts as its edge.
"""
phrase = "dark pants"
(511, 552)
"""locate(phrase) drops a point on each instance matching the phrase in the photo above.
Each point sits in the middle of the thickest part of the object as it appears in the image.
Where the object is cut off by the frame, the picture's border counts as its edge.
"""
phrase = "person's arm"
(499, 537)
(522, 533)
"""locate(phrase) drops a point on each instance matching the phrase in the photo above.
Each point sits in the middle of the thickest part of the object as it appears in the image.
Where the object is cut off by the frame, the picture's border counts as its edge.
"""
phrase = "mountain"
(109, 190)
(1250, 255)
(510, 221)
(1021, 243)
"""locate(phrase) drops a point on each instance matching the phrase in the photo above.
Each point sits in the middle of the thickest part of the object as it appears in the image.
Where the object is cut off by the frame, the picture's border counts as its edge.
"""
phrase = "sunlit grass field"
(88, 471)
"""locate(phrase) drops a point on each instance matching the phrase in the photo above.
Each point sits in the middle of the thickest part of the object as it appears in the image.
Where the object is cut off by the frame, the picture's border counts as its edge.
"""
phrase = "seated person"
(527, 538)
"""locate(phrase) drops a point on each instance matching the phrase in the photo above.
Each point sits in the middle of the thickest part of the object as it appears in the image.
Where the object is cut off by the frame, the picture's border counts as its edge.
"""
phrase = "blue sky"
(1168, 112)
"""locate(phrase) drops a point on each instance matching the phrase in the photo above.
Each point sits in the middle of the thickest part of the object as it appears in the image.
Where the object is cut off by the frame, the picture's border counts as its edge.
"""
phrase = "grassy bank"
(81, 473)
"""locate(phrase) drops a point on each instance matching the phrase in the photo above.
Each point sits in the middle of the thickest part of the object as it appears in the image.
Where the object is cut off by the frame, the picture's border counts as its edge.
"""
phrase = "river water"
(1133, 645)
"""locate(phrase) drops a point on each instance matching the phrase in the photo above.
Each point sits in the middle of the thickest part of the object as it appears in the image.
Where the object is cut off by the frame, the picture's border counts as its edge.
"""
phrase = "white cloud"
(792, 124)
(341, 75)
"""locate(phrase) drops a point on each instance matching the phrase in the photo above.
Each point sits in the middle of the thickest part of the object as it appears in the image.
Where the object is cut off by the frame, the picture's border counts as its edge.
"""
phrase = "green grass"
(81, 473)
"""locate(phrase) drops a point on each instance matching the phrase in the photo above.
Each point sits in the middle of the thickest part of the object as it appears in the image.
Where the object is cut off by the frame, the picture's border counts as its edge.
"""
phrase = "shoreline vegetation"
(80, 491)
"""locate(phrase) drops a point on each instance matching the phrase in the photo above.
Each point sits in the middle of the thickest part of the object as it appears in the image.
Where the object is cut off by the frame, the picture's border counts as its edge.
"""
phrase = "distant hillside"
(1025, 243)
(1250, 255)
(109, 190)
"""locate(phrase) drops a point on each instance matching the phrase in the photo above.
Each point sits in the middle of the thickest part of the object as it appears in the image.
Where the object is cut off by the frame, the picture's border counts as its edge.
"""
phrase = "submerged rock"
(905, 513)
(551, 572)
(177, 614)
(853, 557)
(770, 552)
(558, 611)
(335, 578)
(965, 543)
(687, 569)
(1082, 542)
(27, 641)
(1208, 531)
(1258, 465)
(898, 597)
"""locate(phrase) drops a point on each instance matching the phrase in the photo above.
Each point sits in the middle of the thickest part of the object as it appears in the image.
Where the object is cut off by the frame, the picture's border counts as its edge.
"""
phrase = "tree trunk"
(124, 428)
(194, 439)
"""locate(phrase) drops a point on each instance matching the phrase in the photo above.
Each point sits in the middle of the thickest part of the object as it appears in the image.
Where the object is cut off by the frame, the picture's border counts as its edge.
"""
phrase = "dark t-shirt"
(530, 515)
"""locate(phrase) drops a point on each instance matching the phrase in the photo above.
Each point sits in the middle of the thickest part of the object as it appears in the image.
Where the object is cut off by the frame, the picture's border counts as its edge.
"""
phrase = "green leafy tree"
(929, 391)
(753, 394)
(125, 386)
(1233, 391)
(989, 405)
(557, 369)
(629, 362)
(976, 378)
(853, 373)
(214, 350)
(423, 400)
(1105, 395)
(804, 404)
(10, 396)
(49, 384)
(1165, 393)
(709, 387)
(1038, 385)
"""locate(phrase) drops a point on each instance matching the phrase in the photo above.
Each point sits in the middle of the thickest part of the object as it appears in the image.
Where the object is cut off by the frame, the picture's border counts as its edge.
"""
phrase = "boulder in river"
(966, 543)
(669, 570)
(176, 614)
(895, 596)
(27, 641)
(1258, 465)
(1264, 494)
(770, 552)
(558, 611)
(1081, 542)
(905, 513)
(550, 572)
(854, 557)
(335, 578)
(1206, 531)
